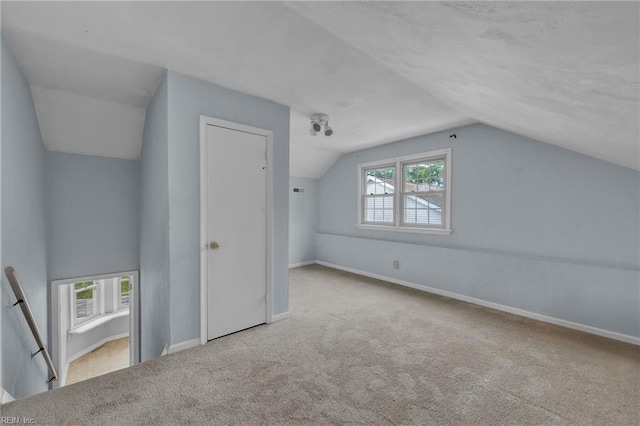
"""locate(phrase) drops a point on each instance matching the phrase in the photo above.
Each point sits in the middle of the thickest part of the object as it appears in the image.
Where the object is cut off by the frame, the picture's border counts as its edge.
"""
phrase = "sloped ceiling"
(566, 73)
(563, 73)
(86, 102)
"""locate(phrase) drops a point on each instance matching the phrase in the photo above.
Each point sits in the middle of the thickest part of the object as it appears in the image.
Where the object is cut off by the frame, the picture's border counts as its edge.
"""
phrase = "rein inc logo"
(12, 420)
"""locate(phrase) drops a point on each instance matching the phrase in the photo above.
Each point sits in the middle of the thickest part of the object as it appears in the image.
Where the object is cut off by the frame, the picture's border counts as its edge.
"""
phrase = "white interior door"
(237, 228)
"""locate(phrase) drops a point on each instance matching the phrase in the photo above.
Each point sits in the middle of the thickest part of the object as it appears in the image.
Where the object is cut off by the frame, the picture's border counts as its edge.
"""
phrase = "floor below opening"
(111, 356)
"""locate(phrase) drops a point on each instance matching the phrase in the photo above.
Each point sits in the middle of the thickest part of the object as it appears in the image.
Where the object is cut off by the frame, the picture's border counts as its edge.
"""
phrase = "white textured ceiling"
(563, 73)
(85, 125)
(566, 73)
(86, 102)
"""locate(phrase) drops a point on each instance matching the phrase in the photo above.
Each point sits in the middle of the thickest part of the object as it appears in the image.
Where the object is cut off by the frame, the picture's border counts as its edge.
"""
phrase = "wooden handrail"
(26, 310)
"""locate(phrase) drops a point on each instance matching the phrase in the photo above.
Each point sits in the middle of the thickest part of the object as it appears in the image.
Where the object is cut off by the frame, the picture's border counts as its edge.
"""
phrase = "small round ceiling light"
(318, 121)
(328, 131)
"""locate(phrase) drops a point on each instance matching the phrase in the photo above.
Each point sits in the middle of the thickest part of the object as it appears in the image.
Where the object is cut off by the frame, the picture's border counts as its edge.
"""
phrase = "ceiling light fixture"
(328, 131)
(318, 121)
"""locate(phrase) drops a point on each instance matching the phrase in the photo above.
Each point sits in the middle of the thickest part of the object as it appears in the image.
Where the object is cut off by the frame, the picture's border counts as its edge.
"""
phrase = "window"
(124, 292)
(85, 301)
(379, 194)
(423, 192)
(422, 201)
(99, 299)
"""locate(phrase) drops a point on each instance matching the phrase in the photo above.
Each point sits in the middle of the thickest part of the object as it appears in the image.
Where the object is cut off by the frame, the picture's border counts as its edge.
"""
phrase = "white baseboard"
(497, 306)
(299, 264)
(5, 397)
(96, 346)
(280, 317)
(187, 344)
(165, 351)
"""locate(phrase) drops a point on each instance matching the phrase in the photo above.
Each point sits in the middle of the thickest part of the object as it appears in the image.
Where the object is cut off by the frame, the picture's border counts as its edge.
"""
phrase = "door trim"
(268, 134)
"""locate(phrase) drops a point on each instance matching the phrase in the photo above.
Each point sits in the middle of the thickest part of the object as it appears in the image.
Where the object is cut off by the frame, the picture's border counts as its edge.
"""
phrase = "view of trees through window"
(125, 290)
(85, 298)
(386, 173)
(423, 192)
(431, 174)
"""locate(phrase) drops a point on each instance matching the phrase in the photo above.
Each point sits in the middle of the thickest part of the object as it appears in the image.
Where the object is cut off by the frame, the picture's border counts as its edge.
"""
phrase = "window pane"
(85, 298)
(85, 284)
(424, 176)
(379, 208)
(423, 210)
(125, 287)
(85, 303)
(380, 181)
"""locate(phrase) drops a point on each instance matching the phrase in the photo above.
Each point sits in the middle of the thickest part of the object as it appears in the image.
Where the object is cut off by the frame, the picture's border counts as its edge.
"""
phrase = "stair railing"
(28, 315)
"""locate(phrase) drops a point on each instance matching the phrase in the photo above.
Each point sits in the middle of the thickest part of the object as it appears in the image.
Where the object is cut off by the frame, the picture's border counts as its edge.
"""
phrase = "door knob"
(214, 245)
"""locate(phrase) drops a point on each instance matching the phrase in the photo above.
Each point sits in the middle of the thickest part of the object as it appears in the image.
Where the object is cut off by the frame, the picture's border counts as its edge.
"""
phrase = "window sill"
(432, 231)
(97, 322)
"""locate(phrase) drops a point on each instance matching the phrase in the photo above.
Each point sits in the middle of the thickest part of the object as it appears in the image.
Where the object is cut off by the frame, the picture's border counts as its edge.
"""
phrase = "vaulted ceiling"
(565, 73)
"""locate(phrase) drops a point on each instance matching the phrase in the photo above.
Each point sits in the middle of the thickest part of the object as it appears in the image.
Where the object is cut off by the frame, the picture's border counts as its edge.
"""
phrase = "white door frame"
(204, 244)
(134, 319)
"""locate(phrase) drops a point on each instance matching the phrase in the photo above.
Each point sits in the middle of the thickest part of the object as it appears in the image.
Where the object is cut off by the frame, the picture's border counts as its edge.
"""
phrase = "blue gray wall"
(23, 236)
(188, 99)
(535, 227)
(2, 50)
(93, 207)
(154, 229)
(303, 220)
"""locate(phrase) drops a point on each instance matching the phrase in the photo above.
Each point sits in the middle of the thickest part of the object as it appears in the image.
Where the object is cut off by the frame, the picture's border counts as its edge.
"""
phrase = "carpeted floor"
(357, 350)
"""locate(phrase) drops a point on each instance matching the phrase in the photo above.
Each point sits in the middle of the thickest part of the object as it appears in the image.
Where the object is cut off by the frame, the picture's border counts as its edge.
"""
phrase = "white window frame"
(398, 208)
(118, 291)
(98, 303)
(364, 196)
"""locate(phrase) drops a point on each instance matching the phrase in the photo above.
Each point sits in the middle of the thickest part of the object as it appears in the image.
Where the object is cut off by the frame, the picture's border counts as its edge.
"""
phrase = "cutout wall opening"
(94, 323)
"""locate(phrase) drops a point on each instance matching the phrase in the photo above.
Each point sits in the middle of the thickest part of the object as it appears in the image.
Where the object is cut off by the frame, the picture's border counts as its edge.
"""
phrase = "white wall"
(2, 390)
(170, 214)
(154, 229)
(93, 206)
(79, 343)
(303, 220)
(23, 232)
(92, 209)
(535, 227)
(66, 215)
(188, 99)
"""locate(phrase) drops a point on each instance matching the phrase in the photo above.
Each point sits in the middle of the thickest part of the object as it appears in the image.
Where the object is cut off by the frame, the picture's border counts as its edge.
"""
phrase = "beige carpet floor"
(361, 351)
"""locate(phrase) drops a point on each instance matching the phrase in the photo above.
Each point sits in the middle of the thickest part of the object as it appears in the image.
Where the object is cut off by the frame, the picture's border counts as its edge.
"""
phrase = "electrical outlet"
(396, 264)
